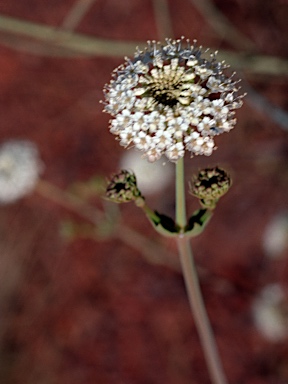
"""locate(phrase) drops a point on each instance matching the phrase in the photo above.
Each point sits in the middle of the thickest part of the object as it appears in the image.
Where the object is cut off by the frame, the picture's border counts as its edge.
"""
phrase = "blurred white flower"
(172, 89)
(275, 239)
(20, 167)
(151, 178)
(270, 312)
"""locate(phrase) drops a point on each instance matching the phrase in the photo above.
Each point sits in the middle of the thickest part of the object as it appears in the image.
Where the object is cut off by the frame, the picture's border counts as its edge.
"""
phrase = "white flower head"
(20, 167)
(172, 89)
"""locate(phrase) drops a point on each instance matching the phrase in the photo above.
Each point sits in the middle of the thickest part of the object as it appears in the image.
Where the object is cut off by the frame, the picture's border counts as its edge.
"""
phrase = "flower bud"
(209, 185)
(122, 187)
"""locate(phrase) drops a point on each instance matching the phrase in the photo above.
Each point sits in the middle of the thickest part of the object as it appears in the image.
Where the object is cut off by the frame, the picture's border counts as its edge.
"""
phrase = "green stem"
(180, 194)
(192, 285)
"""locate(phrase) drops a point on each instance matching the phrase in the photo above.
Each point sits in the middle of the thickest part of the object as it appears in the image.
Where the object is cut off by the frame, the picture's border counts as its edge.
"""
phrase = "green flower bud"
(122, 187)
(209, 185)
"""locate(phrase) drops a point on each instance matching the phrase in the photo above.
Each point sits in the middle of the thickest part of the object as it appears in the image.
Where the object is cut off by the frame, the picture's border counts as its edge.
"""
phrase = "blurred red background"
(97, 310)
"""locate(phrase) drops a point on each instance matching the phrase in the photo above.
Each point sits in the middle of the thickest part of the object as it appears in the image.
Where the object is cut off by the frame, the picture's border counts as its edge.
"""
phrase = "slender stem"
(180, 194)
(192, 285)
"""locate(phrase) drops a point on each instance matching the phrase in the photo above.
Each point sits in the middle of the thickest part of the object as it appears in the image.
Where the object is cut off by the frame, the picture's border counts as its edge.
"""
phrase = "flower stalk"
(192, 285)
(180, 194)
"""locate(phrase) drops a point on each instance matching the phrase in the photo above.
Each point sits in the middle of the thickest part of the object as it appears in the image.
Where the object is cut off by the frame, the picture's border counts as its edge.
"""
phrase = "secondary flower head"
(170, 99)
(209, 185)
(122, 187)
(19, 169)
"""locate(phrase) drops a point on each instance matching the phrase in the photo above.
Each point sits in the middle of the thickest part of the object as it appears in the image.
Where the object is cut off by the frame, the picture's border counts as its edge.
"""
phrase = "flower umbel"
(170, 99)
(209, 185)
(20, 167)
(122, 187)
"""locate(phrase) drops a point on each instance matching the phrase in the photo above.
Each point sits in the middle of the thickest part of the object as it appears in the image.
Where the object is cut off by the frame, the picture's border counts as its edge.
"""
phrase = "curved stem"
(192, 285)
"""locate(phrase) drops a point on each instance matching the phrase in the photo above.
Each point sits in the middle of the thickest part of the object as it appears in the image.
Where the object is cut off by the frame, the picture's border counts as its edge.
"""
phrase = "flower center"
(166, 94)
(165, 86)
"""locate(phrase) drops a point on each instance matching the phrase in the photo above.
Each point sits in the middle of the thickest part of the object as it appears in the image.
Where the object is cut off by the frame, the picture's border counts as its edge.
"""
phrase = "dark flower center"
(165, 97)
(165, 88)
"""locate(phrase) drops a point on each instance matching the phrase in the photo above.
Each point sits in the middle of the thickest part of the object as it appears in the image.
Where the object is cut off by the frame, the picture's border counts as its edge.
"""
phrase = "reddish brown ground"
(86, 311)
